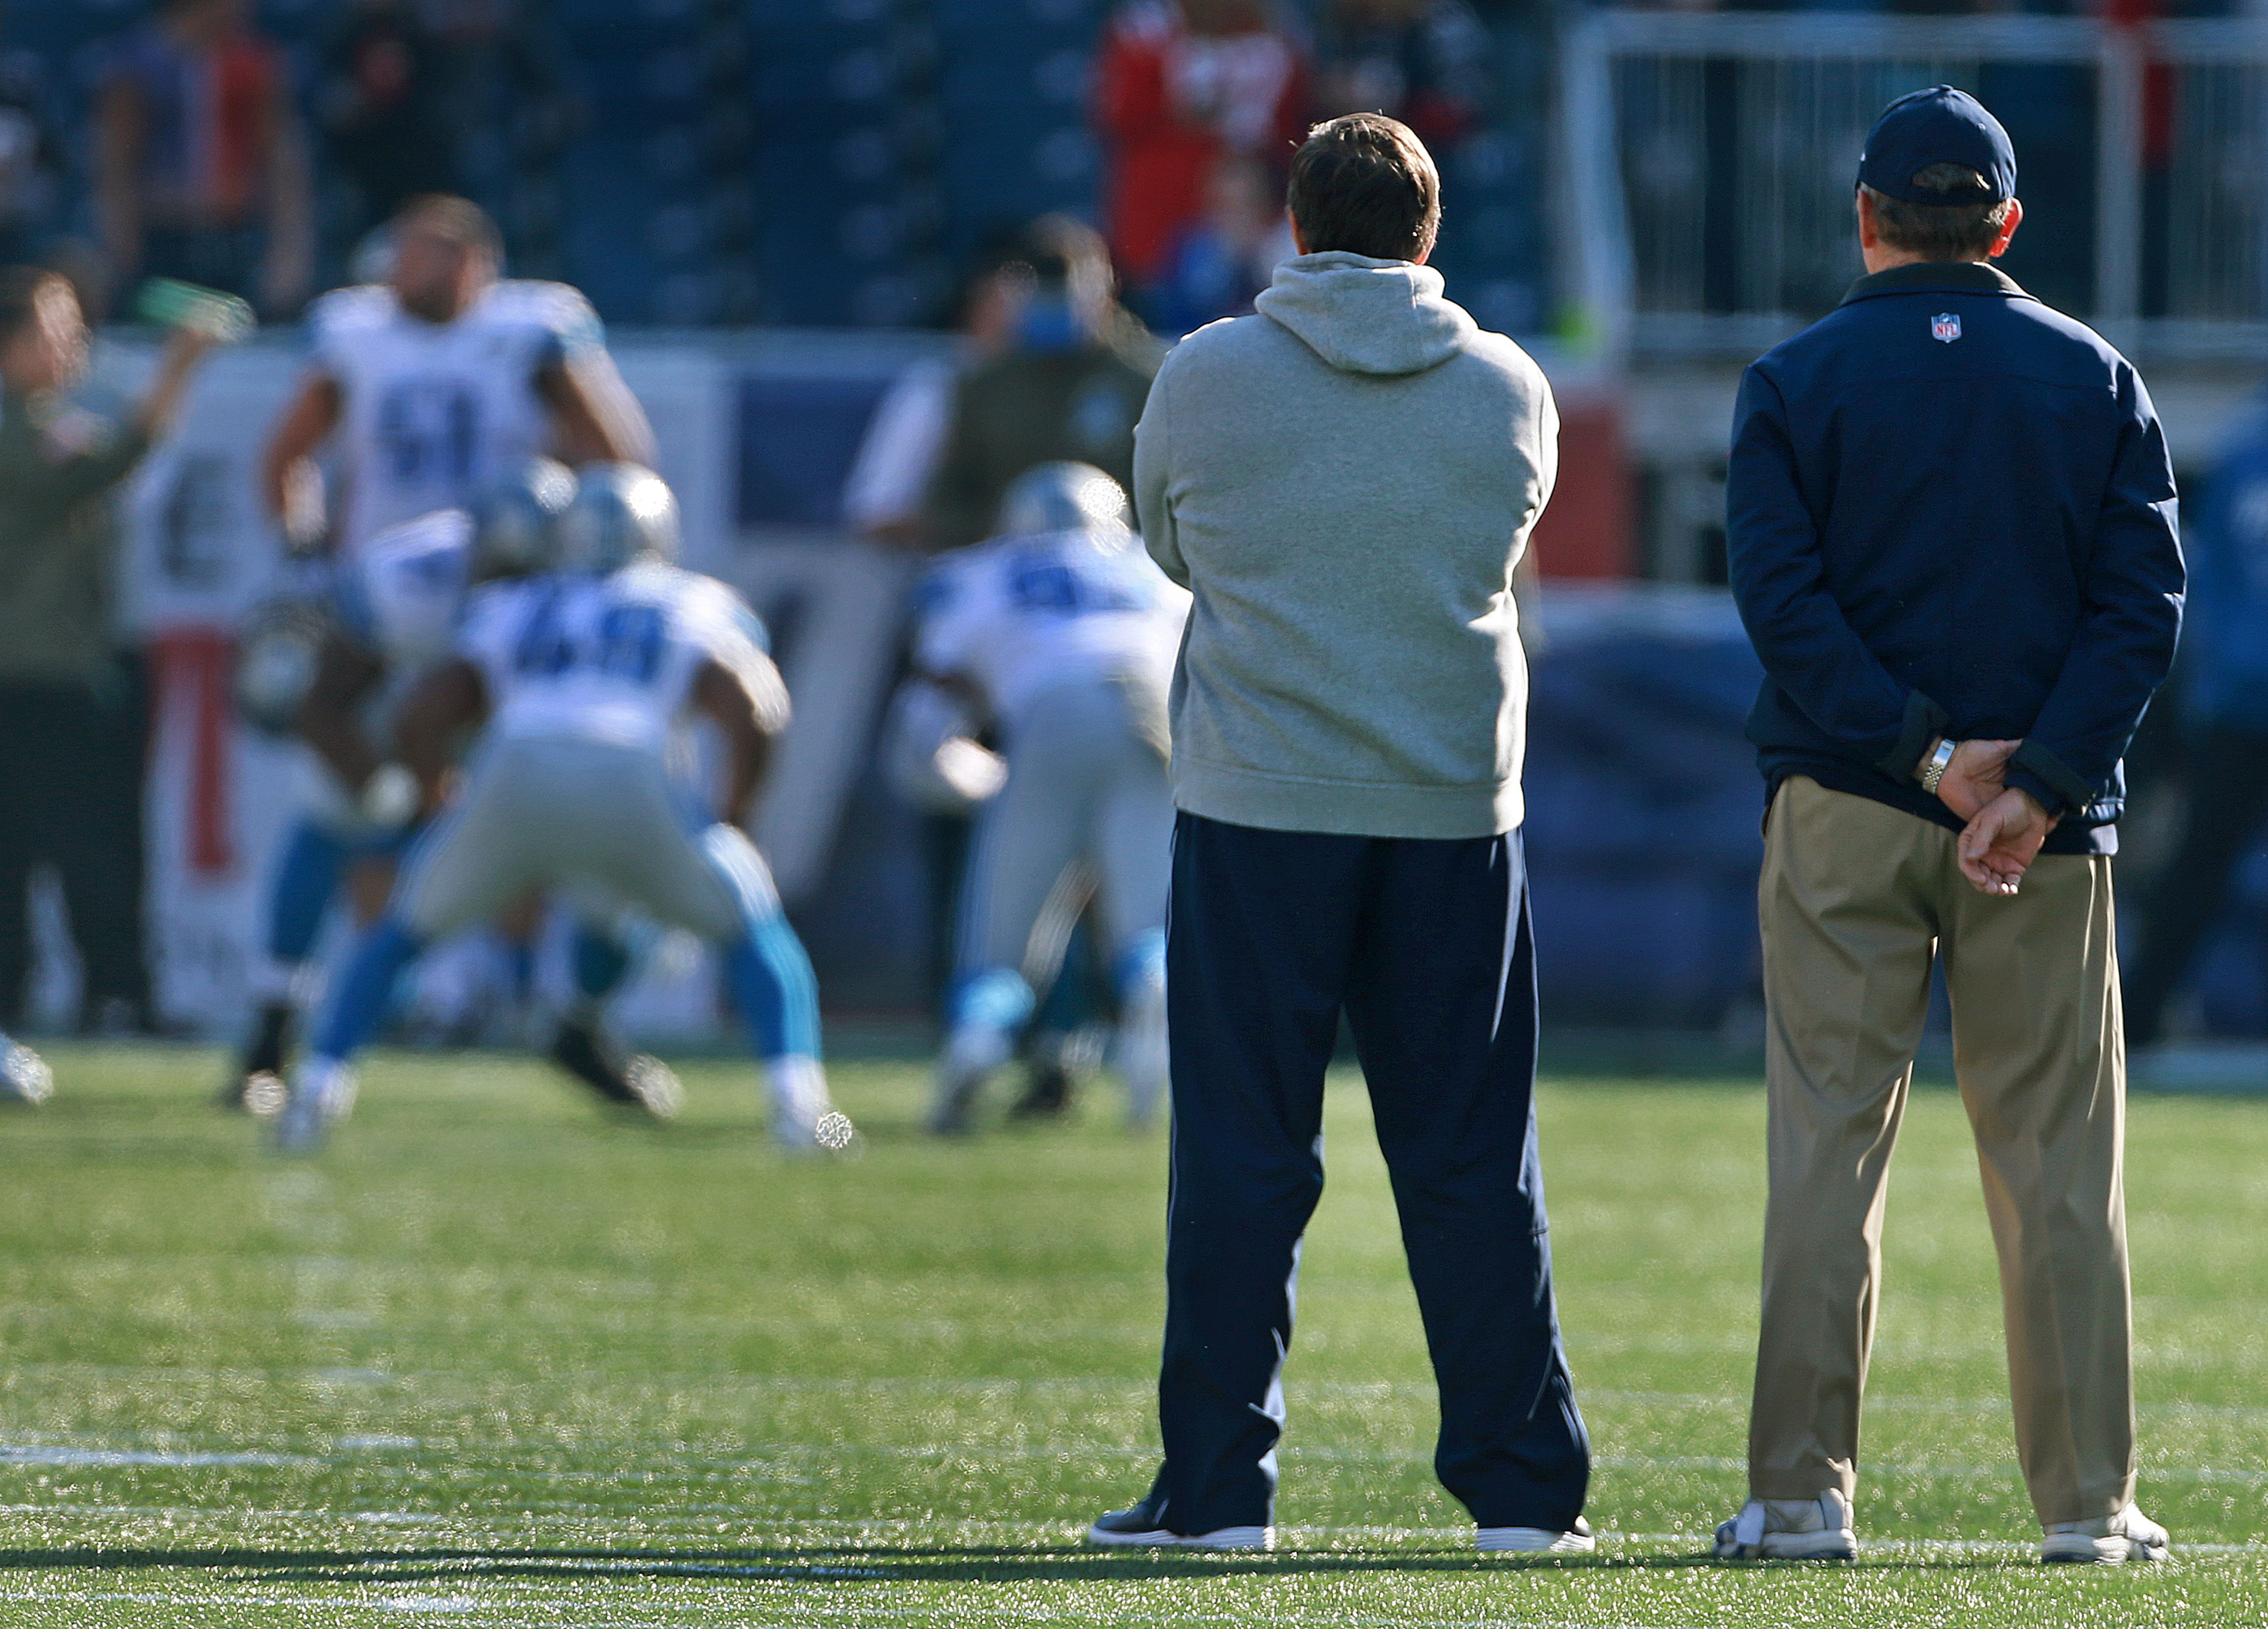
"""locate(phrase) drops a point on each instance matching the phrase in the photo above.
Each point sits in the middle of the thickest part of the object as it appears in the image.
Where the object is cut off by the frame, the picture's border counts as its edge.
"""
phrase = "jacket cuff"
(1925, 720)
(2049, 779)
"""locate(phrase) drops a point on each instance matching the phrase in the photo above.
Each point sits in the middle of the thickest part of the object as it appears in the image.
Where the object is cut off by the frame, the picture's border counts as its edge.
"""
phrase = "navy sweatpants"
(1426, 946)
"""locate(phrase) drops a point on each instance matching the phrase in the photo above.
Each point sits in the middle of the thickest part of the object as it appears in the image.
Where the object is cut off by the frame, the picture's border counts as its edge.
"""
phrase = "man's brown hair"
(1364, 184)
(20, 288)
(459, 219)
(1941, 231)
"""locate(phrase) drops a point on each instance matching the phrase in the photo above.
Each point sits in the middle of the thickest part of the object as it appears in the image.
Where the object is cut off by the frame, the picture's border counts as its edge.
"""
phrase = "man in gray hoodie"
(1345, 480)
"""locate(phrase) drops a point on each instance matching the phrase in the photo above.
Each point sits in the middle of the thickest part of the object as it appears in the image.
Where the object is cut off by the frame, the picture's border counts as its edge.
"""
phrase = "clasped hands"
(2007, 824)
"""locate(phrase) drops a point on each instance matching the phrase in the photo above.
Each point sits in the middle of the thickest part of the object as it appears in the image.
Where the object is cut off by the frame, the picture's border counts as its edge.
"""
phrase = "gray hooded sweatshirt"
(1345, 480)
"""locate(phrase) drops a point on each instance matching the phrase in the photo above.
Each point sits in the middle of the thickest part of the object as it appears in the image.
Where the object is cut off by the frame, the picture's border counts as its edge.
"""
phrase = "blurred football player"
(428, 391)
(431, 386)
(331, 668)
(580, 683)
(1062, 634)
(25, 1077)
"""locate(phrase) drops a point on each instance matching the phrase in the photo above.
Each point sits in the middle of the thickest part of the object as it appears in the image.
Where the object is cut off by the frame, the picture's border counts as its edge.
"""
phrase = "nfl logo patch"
(1945, 328)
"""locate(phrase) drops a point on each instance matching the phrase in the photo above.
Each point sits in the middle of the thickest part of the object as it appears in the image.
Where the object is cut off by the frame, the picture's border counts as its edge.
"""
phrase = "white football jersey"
(434, 413)
(611, 657)
(402, 596)
(1018, 614)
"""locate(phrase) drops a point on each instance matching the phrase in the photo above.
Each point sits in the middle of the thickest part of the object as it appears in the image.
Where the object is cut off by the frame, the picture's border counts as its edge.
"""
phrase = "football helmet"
(622, 513)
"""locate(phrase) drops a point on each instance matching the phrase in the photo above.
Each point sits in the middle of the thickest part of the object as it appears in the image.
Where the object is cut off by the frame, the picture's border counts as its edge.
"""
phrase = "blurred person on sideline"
(1069, 385)
(60, 468)
(1058, 636)
(1344, 482)
(886, 495)
(1951, 528)
(1180, 85)
(201, 168)
(2225, 716)
(381, 106)
(32, 157)
(1222, 260)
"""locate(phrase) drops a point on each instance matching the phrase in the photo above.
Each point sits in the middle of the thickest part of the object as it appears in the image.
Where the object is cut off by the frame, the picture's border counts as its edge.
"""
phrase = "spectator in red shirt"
(200, 171)
(1184, 84)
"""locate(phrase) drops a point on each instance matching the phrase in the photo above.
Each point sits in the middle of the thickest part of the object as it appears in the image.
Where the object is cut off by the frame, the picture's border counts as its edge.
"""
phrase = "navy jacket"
(2225, 646)
(1949, 511)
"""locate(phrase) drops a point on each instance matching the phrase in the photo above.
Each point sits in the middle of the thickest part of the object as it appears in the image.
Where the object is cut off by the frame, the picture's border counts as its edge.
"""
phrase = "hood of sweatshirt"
(1366, 316)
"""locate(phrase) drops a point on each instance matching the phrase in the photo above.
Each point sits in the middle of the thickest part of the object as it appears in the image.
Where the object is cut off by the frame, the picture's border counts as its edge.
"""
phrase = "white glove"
(975, 773)
(391, 797)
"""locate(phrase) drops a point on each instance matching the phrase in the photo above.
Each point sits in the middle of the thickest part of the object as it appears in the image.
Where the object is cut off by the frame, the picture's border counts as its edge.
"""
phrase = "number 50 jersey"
(612, 657)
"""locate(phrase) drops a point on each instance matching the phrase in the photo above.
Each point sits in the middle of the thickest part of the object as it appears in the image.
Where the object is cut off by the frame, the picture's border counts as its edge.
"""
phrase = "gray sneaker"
(1790, 1529)
(2130, 1535)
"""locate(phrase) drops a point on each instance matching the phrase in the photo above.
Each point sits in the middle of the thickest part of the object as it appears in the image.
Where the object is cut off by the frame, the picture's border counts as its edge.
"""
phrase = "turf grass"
(496, 1358)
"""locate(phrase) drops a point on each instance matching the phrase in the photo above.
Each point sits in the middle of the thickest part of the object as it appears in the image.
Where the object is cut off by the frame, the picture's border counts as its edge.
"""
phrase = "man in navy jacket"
(1952, 536)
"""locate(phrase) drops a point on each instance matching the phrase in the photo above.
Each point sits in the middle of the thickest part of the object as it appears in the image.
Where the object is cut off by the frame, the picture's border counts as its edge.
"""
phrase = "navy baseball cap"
(1938, 126)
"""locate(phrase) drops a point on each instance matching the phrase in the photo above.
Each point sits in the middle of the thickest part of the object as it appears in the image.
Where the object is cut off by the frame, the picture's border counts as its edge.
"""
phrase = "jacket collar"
(1954, 277)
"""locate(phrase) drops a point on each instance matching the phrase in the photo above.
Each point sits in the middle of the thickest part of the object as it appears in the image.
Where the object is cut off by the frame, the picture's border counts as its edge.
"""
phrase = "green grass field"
(496, 1361)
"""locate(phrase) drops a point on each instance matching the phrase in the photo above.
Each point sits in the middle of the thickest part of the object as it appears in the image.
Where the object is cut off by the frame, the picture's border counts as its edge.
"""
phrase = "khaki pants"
(1855, 898)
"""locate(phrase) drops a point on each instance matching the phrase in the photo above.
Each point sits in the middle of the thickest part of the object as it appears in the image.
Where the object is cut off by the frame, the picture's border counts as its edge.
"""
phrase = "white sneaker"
(25, 1077)
(1790, 1529)
(322, 1095)
(805, 1118)
(2130, 1535)
(1143, 1054)
(1576, 1540)
(1139, 1529)
(971, 1054)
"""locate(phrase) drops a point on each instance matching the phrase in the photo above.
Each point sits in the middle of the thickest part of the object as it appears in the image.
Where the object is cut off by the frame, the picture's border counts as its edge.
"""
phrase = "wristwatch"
(1931, 770)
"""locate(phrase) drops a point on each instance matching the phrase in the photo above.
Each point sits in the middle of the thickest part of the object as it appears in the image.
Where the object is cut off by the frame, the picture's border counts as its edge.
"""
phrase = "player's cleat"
(1142, 1054)
(264, 1094)
(2130, 1535)
(322, 1095)
(1047, 1093)
(971, 1055)
(1576, 1540)
(1790, 1529)
(634, 1080)
(804, 1120)
(25, 1077)
(1143, 1528)
(655, 1085)
(257, 1085)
